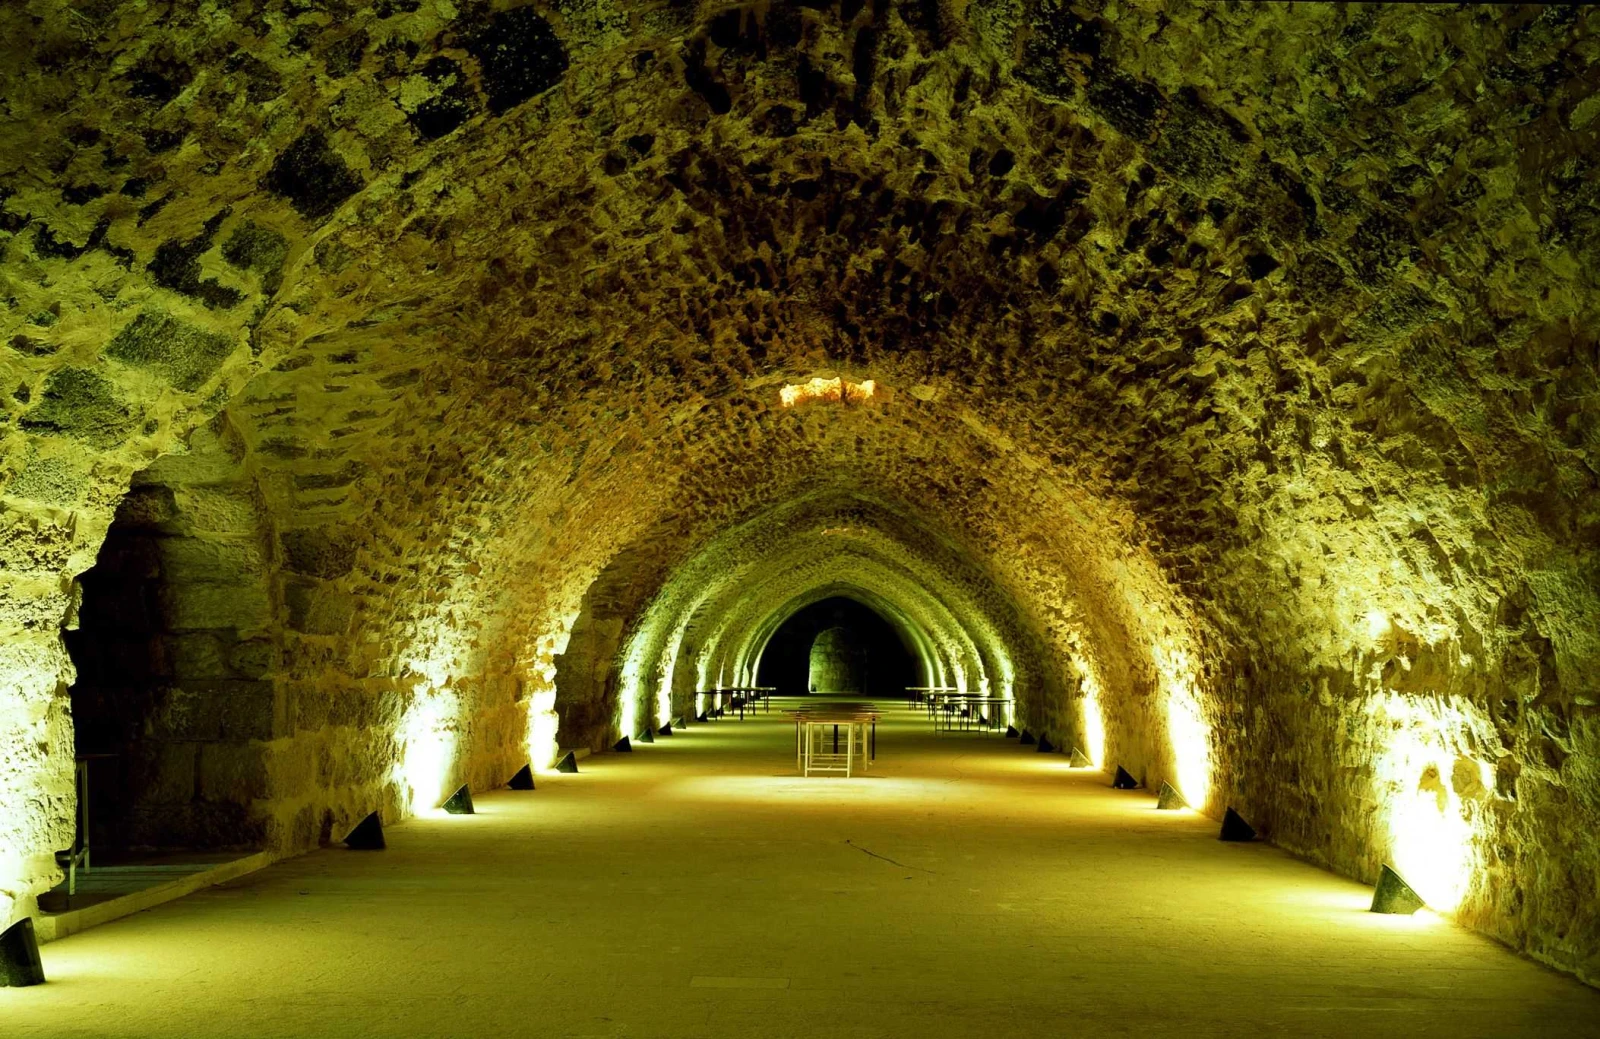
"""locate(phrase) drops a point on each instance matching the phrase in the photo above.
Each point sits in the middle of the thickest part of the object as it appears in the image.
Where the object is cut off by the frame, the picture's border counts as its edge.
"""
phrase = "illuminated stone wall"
(1232, 378)
(837, 662)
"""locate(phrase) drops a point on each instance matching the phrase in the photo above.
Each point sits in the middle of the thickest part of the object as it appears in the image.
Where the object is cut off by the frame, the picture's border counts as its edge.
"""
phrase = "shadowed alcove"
(176, 648)
(863, 653)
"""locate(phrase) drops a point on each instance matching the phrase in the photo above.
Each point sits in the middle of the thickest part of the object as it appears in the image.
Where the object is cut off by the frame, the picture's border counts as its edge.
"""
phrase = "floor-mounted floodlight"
(1080, 759)
(523, 780)
(1027, 738)
(1234, 828)
(1011, 732)
(678, 721)
(367, 835)
(1124, 780)
(568, 764)
(623, 746)
(460, 802)
(19, 956)
(1045, 746)
(1394, 895)
(665, 730)
(1169, 798)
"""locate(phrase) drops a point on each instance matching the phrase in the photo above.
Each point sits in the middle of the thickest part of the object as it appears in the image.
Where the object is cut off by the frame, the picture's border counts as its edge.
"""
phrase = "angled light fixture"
(1124, 780)
(623, 746)
(19, 956)
(1234, 828)
(1394, 895)
(1011, 732)
(568, 764)
(460, 802)
(1169, 798)
(1027, 738)
(1080, 759)
(523, 780)
(1045, 746)
(367, 835)
(646, 736)
(665, 730)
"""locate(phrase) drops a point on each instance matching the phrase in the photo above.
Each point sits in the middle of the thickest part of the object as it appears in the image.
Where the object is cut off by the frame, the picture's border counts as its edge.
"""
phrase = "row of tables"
(950, 708)
(840, 737)
(739, 697)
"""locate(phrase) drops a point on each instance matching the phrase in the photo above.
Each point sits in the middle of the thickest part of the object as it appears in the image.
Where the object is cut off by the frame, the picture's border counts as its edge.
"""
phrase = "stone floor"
(697, 888)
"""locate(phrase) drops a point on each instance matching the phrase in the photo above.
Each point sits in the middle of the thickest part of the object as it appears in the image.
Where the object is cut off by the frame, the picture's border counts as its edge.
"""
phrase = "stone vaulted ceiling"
(1200, 336)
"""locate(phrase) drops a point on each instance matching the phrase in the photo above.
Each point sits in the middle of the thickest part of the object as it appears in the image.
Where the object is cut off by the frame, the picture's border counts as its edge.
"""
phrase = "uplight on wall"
(1186, 725)
(630, 689)
(1417, 772)
(664, 685)
(543, 723)
(427, 738)
(628, 713)
(1094, 720)
(11, 865)
(1093, 713)
(839, 389)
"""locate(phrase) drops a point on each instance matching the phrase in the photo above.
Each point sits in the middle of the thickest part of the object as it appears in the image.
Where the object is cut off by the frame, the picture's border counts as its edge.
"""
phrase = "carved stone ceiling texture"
(1246, 352)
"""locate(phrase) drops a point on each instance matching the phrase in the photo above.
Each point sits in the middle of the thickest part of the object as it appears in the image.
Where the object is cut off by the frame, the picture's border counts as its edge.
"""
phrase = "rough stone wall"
(1244, 351)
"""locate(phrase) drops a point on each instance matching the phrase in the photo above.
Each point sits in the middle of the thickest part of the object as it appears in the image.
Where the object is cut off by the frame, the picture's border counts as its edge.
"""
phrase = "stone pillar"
(36, 750)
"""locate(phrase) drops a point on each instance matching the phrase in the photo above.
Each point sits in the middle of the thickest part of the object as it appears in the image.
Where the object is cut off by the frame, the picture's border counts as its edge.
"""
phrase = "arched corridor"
(403, 397)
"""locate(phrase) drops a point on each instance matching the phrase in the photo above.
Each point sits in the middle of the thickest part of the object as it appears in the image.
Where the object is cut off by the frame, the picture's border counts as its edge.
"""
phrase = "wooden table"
(816, 731)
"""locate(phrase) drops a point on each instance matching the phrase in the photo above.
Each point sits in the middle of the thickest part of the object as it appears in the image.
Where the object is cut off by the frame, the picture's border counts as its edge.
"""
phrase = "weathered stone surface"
(1233, 389)
(836, 663)
(258, 249)
(315, 609)
(320, 553)
(203, 606)
(182, 354)
(519, 55)
(231, 772)
(312, 176)
(78, 403)
(52, 481)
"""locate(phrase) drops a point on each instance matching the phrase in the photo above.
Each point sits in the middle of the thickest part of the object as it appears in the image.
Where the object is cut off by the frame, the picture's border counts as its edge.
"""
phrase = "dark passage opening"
(175, 654)
(854, 649)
